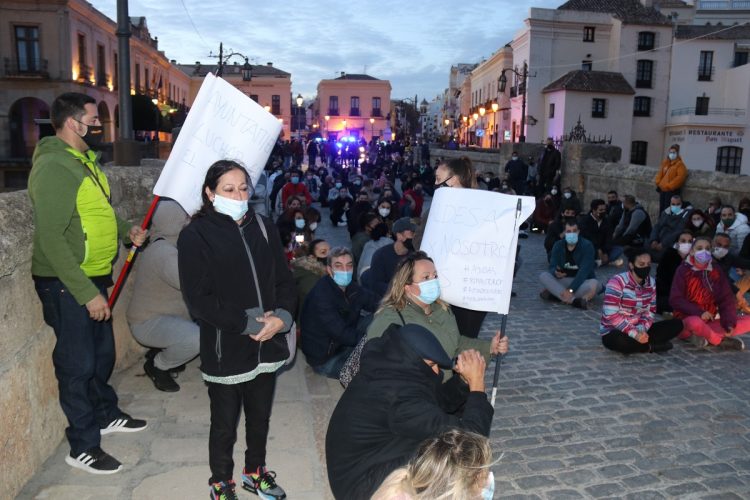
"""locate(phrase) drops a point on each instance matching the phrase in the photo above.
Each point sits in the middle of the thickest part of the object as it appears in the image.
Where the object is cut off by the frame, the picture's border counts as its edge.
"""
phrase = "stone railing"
(30, 413)
(593, 169)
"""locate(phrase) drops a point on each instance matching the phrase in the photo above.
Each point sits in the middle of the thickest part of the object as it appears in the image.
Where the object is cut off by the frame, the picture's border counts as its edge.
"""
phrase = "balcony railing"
(276, 110)
(333, 111)
(376, 112)
(354, 112)
(36, 68)
(101, 79)
(643, 84)
(84, 73)
(723, 4)
(711, 111)
(705, 73)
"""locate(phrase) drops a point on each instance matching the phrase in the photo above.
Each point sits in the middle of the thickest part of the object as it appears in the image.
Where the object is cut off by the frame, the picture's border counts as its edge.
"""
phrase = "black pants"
(256, 397)
(469, 321)
(659, 334)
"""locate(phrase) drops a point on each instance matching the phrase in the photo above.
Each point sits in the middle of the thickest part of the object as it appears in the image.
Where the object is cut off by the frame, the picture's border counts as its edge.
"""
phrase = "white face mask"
(553, 192)
(684, 248)
(697, 222)
(236, 209)
(567, 195)
(384, 212)
(313, 226)
(720, 252)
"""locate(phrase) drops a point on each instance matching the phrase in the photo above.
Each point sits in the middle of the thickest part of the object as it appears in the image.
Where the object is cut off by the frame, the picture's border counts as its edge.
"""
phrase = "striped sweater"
(628, 306)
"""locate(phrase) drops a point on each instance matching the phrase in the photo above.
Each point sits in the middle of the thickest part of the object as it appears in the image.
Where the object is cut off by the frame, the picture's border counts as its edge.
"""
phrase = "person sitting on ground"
(412, 201)
(702, 298)
(544, 212)
(627, 323)
(516, 173)
(340, 207)
(414, 297)
(488, 181)
(295, 188)
(334, 190)
(308, 269)
(728, 261)
(665, 271)
(332, 319)
(325, 190)
(385, 260)
(570, 200)
(714, 209)
(157, 314)
(291, 225)
(360, 207)
(634, 227)
(556, 230)
(395, 402)
(735, 225)
(595, 228)
(571, 277)
(388, 211)
(379, 238)
(743, 206)
(455, 464)
(367, 221)
(312, 183)
(701, 224)
(312, 221)
(614, 209)
(670, 224)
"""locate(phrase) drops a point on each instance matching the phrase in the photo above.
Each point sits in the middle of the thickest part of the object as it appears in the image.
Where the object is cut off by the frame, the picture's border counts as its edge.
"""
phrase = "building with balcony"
(709, 97)
(354, 105)
(57, 46)
(702, 12)
(491, 107)
(620, 36)
(267, 85)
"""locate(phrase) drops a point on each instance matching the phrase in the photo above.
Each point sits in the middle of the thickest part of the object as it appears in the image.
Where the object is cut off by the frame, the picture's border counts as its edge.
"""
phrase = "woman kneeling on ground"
(702, 297)
(627, 324)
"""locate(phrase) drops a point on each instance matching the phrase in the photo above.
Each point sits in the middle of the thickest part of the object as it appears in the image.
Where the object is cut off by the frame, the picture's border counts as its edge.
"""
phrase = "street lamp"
(326, 118)
(247, 69)
(299, 100)
(502, 82)
(343, 122)
(372, 132)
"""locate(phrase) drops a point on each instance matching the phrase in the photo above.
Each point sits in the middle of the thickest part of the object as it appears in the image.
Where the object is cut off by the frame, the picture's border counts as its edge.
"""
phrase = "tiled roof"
(230, 69)
(355, 76)
(735, 32)
(627, 11)
(604, 82)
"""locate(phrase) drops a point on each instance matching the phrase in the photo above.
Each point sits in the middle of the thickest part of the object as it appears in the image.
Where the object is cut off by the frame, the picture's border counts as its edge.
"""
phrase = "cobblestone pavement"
(572, 420)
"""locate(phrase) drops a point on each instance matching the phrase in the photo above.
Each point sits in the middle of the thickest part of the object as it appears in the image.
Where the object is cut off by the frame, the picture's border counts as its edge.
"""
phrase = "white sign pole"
(223, 124)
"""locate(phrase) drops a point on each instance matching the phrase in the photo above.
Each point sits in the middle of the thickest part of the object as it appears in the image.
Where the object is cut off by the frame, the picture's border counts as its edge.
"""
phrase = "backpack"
(351, 367)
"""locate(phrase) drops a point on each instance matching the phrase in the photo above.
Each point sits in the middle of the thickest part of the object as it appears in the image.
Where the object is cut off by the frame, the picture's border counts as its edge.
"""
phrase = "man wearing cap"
(385, 260)
(396, 401)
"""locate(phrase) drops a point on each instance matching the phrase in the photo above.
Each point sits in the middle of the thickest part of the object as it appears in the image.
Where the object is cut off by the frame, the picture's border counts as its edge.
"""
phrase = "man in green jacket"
(75, 243)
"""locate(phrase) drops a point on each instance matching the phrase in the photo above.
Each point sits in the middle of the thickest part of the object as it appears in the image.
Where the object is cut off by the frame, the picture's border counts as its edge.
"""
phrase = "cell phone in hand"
(300, 238)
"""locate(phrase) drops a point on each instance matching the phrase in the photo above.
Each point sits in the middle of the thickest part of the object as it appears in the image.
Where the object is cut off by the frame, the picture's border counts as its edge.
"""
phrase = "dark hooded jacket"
(217, 282)
(393, 404)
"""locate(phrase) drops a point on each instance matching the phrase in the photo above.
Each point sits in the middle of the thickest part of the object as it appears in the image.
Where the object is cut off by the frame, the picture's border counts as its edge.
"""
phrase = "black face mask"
(444, 183)
(409, 244)
(322, 260)
(94, 135)
(642, 272)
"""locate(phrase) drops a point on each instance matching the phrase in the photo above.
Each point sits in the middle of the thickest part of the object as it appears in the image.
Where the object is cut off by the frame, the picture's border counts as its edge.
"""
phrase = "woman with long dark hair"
(238, 287)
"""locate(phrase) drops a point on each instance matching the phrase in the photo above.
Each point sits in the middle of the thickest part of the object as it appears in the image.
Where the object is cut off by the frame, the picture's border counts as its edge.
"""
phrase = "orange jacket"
(672, 174)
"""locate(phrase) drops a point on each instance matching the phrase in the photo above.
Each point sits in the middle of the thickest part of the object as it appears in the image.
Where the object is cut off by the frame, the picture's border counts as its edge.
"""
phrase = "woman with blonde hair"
(413, 296)
(454, 465)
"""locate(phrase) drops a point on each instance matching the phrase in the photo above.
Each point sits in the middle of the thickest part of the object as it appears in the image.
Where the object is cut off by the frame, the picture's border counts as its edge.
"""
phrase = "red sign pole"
(131, 255)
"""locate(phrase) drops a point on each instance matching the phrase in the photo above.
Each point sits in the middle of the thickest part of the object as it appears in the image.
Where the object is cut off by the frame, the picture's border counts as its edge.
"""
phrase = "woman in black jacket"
(238, 287)
(396, 401)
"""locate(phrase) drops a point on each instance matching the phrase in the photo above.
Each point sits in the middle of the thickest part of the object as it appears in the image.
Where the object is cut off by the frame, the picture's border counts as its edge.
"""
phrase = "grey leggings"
(556, 287)
(178, 338)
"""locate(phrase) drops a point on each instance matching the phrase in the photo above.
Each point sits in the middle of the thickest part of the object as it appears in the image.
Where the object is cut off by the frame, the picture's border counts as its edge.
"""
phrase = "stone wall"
(593, 169)
(30, 413)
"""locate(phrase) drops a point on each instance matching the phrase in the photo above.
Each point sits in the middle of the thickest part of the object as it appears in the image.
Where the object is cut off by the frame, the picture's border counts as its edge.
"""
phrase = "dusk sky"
(412, 44)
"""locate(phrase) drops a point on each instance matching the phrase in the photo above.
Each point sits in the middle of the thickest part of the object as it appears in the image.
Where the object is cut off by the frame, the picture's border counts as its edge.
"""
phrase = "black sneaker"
(581, 303)
(162, 379)
(731, 343)
(666, 346)
(94, 461)
(125, 423)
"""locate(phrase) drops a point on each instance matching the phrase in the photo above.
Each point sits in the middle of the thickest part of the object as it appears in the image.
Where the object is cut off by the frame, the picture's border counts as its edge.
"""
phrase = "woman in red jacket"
(702, 297)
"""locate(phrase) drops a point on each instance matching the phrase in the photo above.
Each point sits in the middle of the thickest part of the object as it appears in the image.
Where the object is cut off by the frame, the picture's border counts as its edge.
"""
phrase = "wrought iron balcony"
(723, 4)
(705, 73)
(709, 111)
(35, 68)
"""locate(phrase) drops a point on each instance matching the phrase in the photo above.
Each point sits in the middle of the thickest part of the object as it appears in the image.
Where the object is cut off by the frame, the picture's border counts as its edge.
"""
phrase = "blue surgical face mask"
(676, 209)
(236, 209)
(295, 179)
(299, 223)
(338, 185)
(429, 291)
(571, 238)
(672, 156)
(488, 492)
(342, 278)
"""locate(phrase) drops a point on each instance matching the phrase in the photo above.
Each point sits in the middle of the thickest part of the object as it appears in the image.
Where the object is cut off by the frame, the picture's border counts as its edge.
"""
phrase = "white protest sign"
(470, 236)
(223, 124)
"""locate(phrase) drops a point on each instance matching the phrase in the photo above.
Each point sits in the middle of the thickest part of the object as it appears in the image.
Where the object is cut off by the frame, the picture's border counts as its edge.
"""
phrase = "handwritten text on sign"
(223, 124)
(470, 235)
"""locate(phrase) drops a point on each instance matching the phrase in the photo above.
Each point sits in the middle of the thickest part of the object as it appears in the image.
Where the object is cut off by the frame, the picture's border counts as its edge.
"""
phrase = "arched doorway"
(106, 120)
(24, 131)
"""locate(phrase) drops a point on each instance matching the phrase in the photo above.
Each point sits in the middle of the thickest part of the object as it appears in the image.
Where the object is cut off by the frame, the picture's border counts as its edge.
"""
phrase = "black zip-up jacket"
(393, 404)
(217, 282)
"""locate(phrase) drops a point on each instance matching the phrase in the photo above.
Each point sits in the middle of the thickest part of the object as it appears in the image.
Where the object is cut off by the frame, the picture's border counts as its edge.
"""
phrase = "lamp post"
(343, 122)
(446, 122)
(300, 100)
(247, 69)
(502, 82)
(466, 130)
(495, 107)
(372, 131)
(326, 118)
